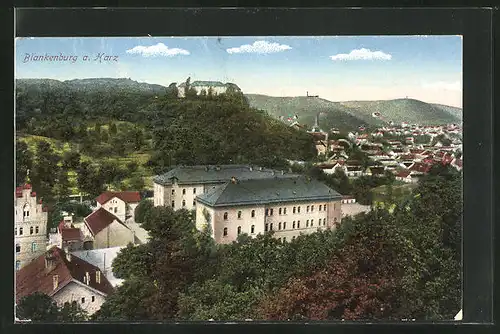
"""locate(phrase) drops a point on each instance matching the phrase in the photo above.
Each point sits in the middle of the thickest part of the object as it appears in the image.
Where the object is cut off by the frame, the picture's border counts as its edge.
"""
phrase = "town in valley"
(206, 200)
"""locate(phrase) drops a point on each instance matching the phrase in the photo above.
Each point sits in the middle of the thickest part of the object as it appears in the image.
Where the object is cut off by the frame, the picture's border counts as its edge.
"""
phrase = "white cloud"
(159, 49)
(260, 47)
(443, 85)
(362, 54)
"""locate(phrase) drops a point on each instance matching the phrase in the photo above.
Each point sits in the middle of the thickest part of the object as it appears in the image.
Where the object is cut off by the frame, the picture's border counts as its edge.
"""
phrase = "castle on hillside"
(215, 87)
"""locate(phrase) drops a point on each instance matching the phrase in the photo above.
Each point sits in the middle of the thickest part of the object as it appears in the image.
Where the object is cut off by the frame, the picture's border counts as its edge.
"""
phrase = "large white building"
(180, 186)
(287, 206)
(30, 233)
(65, 278)
(212, 87)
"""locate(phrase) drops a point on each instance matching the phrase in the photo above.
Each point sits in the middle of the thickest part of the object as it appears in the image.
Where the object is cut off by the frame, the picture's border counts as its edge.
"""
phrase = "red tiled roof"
(35, 277)
(403, 174)
(126, 196)
(99, 220)
(71, 234)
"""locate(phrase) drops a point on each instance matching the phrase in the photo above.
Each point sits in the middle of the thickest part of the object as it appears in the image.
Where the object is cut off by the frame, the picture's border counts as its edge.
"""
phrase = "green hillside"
(351, 114)
(402, 110)
(333, 114)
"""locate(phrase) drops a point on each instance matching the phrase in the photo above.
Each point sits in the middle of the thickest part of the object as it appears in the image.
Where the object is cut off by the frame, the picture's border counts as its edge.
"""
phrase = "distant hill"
(333, 114)
(90, 85)
(351, 114)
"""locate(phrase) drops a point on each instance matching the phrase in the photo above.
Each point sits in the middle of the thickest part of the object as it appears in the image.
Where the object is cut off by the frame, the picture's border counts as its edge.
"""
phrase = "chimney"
(55, 281)
(98, 276)
(234, 180)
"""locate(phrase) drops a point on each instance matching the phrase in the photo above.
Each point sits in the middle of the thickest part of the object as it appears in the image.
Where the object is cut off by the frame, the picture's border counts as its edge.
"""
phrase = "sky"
(337, 68)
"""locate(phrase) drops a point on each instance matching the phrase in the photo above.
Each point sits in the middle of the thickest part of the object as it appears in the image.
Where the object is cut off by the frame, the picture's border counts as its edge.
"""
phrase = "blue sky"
(428, 68)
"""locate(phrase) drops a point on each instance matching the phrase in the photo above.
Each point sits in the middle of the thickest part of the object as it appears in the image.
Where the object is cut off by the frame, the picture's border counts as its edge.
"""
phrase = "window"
(280, 211)
(26, 211)
(307, 209)
(173, 191)
(83, 300)
(33, 247)
(294, 209)
(15, 231)
(284, 211)
(173, 204)
(271, 212)
(324, 207)
(31, 230)
(271, 227)
(253, 213)
(284, 225)
(293, 224)
(239, 214)
(225, 215)
(18, 265)
(36, 229)
(20, 231)
(184, 191)
(298, 209)
(279, 226)
(194, 203)
(18, 248)
(298, 224)
(267, 212)
(239, 230)
(116, 209)
(93, 299)
(312, 222)
(252, 229)
(194, 190)
(307, 223)
(183, 203)
(324, 221)
(312, 208)
(320, 208)
(225, 231)
(266, 228)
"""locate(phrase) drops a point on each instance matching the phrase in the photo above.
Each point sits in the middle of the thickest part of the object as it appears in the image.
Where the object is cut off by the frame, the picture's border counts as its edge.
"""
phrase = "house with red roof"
(122, 204)
(102, 229)
(65, 278)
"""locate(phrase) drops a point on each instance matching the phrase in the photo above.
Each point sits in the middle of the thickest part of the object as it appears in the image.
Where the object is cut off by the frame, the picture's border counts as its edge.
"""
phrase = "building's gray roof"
(200, 174)
(275, 190)
(208, 83)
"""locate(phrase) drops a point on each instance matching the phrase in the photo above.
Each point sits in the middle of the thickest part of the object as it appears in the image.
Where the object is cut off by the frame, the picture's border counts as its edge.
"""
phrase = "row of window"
(184, 191)
(113, 209)
(269, 212)
(92, 299)
(296, 209)
(34, 247)
(36, 230)
(252, 230)
(183, 203)
(309, 223)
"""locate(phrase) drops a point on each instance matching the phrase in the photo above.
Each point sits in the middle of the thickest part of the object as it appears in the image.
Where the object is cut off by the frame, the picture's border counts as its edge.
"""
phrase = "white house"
(30, 230)
(121, 204)
(101, 229)
(65, 278)
(288, 206)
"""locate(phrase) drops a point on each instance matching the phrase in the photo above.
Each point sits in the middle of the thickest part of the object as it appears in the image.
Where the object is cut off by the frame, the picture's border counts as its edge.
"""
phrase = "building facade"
(30, 230)
(65, 278)
(101, 229)
(288, 207)
(179, 187)
(121, 204)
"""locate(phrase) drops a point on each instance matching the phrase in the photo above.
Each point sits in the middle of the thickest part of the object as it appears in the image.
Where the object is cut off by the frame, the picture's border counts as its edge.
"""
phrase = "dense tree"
(143, 210)
(45, 170)
(24, 161)
(172, 92)
(71, 312)
(37, 307)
